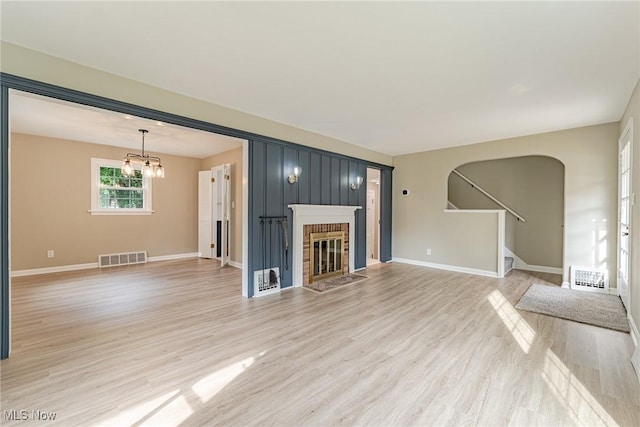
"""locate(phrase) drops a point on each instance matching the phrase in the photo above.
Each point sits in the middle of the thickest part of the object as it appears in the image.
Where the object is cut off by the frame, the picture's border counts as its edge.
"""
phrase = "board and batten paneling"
(325, 180)
(386, 186)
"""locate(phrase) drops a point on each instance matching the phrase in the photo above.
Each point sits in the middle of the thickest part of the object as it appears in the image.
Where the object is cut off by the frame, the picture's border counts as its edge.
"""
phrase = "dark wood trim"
(5, 330)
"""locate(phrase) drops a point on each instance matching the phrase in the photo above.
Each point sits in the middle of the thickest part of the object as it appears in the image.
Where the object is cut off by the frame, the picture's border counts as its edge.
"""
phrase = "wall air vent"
(589, 279)
(112, 260)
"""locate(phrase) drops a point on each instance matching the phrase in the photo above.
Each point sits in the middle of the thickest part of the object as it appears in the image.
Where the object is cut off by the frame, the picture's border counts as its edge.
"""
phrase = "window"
(115, 194)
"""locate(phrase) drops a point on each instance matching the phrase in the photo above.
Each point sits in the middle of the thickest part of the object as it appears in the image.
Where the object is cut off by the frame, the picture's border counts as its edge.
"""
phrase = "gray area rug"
(596, 309)
(335, 282)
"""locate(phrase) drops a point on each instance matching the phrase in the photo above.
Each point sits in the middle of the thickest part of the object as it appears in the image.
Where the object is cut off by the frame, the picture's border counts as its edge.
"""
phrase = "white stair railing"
(487, 194)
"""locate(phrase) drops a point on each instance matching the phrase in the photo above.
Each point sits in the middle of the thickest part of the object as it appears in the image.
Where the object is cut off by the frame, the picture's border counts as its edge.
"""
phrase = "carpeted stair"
(508, 264)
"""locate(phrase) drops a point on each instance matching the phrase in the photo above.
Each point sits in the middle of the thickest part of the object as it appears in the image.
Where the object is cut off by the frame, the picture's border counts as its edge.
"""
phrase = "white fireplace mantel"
(319, 214)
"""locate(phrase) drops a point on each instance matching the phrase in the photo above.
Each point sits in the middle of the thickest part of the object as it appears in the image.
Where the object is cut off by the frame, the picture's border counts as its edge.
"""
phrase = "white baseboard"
(172, 257)
(46, 270)
(73, 267)
(519, 264)
(235, 264)
(545, 269)
(447, 267)
(635, 336)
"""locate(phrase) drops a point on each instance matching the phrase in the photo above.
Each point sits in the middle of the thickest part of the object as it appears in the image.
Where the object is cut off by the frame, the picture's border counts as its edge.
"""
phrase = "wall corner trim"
(58, 269)
(447, 267)
(173, 256)
(235, 264)
(635, 334)
(86, 266)
(519, 264)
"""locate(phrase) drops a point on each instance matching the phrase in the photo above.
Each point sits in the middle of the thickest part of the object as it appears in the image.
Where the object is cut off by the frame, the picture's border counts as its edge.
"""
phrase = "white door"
(225, 197)
(205, 215)
(221, 206)
(625, 205)
(214, 218)
(371, 205)
(217, 174)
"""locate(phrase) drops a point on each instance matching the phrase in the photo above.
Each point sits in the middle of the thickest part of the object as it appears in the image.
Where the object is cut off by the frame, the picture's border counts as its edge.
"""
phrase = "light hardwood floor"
(174, 343)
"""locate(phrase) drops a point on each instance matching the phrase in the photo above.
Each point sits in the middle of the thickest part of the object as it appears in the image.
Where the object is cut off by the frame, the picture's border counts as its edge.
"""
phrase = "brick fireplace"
(324, 218)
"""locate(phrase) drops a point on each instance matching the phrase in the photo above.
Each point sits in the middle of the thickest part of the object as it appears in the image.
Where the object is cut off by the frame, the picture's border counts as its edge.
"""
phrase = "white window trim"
(95, 190)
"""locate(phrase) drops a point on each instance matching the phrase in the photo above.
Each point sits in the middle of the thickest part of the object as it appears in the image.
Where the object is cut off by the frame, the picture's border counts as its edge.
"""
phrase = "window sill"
(119, 212)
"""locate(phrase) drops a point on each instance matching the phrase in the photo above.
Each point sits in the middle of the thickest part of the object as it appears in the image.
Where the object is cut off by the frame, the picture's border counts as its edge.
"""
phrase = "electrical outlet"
(50, 253)
(428, 251)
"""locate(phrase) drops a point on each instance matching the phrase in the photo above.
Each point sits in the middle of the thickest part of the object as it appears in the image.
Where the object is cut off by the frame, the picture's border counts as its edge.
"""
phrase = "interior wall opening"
(373, 216)
(54, 145)
(58, 139)
(531, 190)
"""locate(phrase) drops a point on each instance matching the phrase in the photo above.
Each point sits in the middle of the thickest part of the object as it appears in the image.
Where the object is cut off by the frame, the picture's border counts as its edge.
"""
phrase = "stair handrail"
(486, 193)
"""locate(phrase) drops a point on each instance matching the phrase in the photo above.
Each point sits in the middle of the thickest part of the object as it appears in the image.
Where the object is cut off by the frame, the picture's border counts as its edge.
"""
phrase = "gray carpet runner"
(593, 308)
(508, 263)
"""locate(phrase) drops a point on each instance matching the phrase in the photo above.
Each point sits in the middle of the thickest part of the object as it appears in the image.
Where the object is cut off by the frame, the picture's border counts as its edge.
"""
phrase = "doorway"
(214, 202)
(373, 216)
(625, 206)
(47, 132)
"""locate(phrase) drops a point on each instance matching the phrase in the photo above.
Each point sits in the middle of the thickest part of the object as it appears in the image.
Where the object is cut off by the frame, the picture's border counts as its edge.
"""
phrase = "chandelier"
(151, 166)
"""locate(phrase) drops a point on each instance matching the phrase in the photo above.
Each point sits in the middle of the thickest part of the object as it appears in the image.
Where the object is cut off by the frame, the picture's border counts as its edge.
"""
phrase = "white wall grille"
(589, 279)
(112, 260)
(266, 281)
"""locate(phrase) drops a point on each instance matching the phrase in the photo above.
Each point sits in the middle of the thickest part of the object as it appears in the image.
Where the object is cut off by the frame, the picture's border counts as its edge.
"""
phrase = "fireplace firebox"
(326, 255)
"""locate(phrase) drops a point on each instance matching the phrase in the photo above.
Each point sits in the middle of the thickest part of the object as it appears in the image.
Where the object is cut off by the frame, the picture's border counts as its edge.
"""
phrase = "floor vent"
(589, 279)
(266, 281)
(112, 260)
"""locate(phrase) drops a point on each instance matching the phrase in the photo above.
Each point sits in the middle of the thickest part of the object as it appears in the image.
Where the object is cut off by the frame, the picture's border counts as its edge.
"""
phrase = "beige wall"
(50, 197)
(45, 68)
(234, 158)
(532, 186)
(633, 110)
(589, 155)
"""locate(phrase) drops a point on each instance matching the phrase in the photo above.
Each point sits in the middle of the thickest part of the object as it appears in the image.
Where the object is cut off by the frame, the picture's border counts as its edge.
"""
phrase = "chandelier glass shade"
(151, 166)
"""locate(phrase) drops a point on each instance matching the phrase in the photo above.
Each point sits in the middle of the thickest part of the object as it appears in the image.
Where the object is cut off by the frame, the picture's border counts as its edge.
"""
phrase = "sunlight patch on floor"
(210, 385)
(172, 408)
(581, 406)
(171, 414)
(519, 328)
(135, 414)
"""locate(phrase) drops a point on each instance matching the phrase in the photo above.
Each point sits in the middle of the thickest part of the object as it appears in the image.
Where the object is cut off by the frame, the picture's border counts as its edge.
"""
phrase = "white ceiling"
(37, 115)
(396, 77)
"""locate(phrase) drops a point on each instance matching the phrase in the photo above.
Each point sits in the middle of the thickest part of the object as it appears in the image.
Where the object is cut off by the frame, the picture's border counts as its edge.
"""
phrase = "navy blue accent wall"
(386, 181)
(325, 180)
